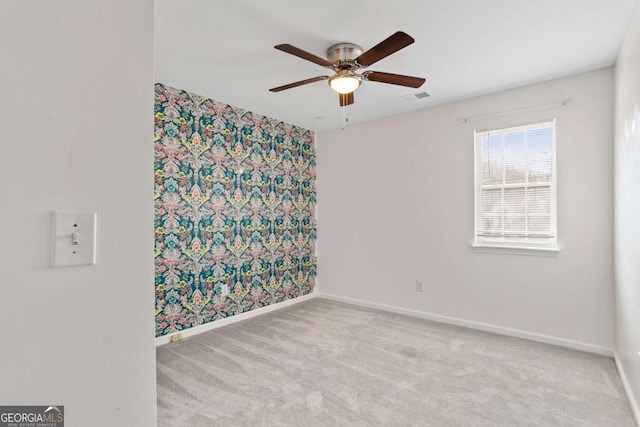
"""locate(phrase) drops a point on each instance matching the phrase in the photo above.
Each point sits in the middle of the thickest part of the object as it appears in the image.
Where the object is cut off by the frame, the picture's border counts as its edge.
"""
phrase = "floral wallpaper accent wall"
(235, 196)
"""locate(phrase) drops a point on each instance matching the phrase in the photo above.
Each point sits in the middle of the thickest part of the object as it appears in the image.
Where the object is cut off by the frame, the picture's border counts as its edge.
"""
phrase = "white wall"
(396, 205)
(627, 203)
(76, 101)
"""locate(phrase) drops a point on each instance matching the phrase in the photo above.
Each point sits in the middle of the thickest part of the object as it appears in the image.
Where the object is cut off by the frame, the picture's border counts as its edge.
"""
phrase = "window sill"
(506, 249)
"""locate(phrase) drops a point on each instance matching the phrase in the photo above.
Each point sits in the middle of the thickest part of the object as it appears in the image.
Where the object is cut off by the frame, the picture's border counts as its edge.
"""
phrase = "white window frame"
(517, 245)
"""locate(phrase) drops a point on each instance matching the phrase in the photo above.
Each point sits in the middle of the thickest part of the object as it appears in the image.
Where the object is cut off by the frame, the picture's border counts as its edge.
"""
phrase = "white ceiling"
(224, 49)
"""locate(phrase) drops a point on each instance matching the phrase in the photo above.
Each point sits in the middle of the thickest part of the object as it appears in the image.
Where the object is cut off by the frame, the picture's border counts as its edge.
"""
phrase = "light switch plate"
(68, 251)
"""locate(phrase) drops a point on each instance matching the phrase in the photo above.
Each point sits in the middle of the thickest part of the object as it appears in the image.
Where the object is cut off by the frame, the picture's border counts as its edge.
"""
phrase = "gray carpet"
(323, 363)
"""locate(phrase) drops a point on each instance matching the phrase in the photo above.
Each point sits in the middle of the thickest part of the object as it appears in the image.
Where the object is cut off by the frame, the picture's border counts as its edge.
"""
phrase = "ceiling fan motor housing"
(344, 54)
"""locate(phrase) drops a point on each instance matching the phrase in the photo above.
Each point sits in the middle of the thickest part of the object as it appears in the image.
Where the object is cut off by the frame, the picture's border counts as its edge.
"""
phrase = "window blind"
(515, 185)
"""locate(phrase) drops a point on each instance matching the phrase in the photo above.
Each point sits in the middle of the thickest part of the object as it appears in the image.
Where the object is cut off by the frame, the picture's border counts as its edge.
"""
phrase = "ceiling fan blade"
(300, 83)
(394, 79)
(385, 48)
(304, 55)
(346, 99)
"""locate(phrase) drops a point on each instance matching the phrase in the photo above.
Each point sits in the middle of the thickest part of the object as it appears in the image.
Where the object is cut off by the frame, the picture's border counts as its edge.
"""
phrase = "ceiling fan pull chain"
(344, 117)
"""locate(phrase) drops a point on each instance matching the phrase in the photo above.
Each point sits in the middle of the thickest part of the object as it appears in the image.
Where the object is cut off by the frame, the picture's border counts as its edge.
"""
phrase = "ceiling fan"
(347, 58)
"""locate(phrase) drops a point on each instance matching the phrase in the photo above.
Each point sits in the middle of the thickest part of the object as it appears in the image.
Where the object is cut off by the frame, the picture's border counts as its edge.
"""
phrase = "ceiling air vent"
(415, 96)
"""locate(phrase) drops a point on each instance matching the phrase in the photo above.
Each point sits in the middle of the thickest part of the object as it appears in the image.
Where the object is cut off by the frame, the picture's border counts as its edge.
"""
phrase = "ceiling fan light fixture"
(344, 81)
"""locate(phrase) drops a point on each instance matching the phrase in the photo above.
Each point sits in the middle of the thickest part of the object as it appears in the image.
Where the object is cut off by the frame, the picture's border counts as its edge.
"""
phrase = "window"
(515, 187)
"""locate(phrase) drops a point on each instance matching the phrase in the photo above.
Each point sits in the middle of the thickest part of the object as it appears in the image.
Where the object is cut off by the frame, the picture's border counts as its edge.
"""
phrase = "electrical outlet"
(224, 290)
(176, 337)
(419, 286)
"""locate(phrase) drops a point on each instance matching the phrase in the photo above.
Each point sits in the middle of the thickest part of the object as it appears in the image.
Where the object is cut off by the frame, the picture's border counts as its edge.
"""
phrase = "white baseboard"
(501, 330)
(627, 388)
(234, 319)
